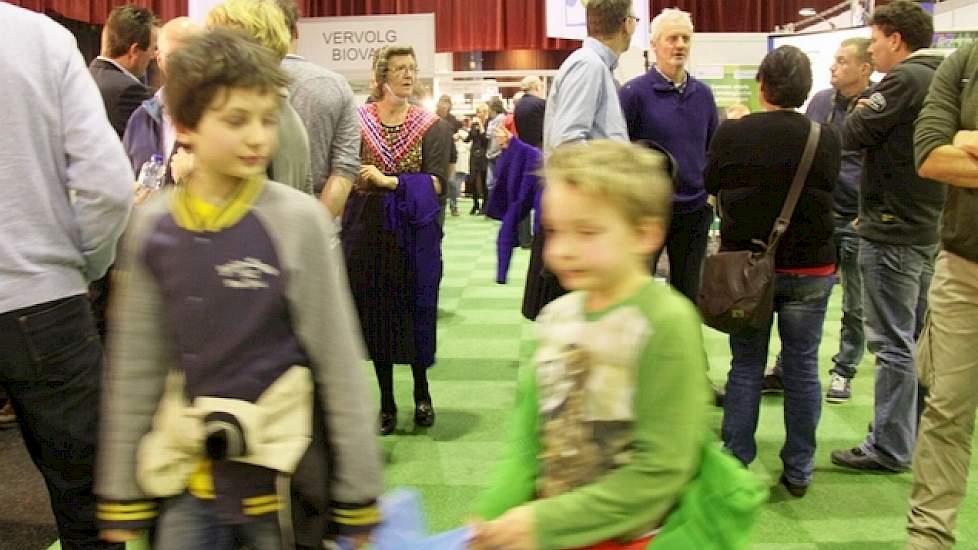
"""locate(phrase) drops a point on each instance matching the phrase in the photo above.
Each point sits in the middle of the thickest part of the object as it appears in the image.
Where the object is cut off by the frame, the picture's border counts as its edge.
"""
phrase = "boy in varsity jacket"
(235, 361)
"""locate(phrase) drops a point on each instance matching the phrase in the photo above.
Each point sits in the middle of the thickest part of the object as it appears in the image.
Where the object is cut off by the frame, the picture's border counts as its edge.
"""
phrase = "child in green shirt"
(611, 415)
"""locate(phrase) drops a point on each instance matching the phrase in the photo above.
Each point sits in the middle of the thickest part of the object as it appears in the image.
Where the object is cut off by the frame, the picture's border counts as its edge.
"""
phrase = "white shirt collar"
(120, 67)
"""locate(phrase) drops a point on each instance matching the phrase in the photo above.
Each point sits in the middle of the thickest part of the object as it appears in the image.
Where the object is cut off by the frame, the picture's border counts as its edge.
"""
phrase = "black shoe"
(771, 383)
(795, 490)
(424, 414)
(857, 459)
(387, 421)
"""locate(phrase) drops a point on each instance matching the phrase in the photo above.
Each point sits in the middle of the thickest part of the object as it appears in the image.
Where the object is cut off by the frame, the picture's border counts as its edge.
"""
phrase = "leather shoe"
(424, 414)
(794, 489)
(387, 421)
(857, 459)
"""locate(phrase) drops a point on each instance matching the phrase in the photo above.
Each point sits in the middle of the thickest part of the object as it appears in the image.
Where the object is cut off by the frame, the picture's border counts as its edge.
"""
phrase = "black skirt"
(381, 283)
(542, 286)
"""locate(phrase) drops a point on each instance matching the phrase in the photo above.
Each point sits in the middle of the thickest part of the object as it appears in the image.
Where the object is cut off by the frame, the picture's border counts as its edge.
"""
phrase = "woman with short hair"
(750, 167)
(391, 236)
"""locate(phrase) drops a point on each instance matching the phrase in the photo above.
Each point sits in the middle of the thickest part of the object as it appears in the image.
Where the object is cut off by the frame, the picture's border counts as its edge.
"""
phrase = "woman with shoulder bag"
(751, 166)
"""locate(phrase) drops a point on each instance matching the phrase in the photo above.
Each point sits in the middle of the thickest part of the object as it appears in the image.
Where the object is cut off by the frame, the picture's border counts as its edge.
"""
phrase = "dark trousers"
(686, 245)
(479, 192)
(50, 365)
(98, 292)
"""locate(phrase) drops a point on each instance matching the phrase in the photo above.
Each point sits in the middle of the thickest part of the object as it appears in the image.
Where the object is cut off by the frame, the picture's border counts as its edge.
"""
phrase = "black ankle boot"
(424, 413)
(387, 421)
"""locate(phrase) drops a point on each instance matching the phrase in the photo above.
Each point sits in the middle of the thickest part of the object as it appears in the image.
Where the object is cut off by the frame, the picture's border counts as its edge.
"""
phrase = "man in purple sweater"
(669, 107)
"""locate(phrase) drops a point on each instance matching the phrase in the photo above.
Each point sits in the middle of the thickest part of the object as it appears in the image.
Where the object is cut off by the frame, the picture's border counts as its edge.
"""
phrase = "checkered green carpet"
(482, 338)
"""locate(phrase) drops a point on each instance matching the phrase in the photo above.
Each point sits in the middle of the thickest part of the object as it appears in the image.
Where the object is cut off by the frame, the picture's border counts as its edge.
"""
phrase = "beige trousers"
(947, 365)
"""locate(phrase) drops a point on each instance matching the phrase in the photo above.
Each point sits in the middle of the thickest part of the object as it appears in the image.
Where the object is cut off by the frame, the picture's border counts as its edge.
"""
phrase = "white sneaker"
(840, 389)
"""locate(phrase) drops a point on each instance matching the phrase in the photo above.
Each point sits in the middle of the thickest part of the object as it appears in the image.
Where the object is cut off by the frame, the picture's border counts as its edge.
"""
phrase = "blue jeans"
(895, 283)
(799, 303)
(454, 186)
(188, 523)
(852, 338)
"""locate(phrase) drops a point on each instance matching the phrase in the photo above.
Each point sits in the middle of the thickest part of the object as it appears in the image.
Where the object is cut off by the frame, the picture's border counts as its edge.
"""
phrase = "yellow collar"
(195, 214)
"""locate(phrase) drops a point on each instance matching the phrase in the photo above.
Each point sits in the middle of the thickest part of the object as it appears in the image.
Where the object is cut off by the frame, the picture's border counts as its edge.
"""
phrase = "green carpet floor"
(481, 340)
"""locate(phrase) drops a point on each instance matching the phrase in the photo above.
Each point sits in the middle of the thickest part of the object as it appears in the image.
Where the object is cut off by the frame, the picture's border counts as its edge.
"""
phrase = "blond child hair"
(634, 179)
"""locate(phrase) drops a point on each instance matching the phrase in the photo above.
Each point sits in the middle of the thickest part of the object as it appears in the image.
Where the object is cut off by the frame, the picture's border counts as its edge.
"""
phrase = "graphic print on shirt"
(246, 273)
(586, 378)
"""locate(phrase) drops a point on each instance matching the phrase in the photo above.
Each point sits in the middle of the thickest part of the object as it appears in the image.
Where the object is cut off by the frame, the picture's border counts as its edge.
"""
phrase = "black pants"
(479, 191)
(50, 365)
(686, 245)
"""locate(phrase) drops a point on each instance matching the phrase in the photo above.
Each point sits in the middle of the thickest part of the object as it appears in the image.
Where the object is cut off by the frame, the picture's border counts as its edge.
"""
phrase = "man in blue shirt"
(583, 105)
(668, 107)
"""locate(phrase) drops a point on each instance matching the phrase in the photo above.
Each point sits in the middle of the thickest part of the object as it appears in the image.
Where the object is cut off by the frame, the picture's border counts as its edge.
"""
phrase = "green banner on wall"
(953, 39)
(731, 84)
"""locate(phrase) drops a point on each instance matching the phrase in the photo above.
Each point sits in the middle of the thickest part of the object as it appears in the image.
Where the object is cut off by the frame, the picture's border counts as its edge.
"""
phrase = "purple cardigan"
(682, 123)
(411, 212)
(517, 192)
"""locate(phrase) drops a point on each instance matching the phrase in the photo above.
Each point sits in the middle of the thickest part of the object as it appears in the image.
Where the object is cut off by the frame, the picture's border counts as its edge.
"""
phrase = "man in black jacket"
(898, 218)
(128, 45)
(529, 110)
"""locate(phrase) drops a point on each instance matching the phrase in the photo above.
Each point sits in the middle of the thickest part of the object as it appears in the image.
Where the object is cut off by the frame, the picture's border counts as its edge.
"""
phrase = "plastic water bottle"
(151, 174)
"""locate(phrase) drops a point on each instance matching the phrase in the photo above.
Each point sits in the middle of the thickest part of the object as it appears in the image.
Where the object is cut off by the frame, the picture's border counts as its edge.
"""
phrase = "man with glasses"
(583, 105)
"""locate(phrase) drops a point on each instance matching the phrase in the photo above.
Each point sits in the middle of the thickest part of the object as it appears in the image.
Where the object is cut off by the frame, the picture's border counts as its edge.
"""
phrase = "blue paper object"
(403, 527)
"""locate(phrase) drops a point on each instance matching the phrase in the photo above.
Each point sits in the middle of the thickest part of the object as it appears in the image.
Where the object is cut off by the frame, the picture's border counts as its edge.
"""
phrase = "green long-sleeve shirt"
(645, 404)
(952, 105)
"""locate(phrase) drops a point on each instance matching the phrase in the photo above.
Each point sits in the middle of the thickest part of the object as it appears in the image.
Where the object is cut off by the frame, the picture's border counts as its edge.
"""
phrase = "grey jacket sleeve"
(292, 162)
(326, 324)
(97, 172)
(345, 153)
(139, 358)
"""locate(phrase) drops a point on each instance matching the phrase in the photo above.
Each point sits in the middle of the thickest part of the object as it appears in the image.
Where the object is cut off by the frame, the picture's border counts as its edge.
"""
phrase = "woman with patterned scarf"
(391, 235)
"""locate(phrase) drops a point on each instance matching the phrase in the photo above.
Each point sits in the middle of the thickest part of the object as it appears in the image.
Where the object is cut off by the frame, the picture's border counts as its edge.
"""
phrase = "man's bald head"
(173, 35)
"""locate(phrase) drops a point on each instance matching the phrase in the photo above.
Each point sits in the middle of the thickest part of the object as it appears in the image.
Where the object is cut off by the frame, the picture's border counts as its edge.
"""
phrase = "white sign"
(198, 9)
(565, 19)
(347, 44)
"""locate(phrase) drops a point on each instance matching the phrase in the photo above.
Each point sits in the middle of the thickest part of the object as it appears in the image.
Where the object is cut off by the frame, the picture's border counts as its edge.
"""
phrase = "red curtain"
(490, 25)
(741, 15)
(95, 11)
(460, 25)
(480, 25)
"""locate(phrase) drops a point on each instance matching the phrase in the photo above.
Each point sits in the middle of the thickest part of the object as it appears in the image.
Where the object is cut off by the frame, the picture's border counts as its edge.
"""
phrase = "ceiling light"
(807, 12)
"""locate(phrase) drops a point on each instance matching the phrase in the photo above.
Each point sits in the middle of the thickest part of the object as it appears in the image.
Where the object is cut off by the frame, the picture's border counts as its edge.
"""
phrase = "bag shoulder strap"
(784, 218)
